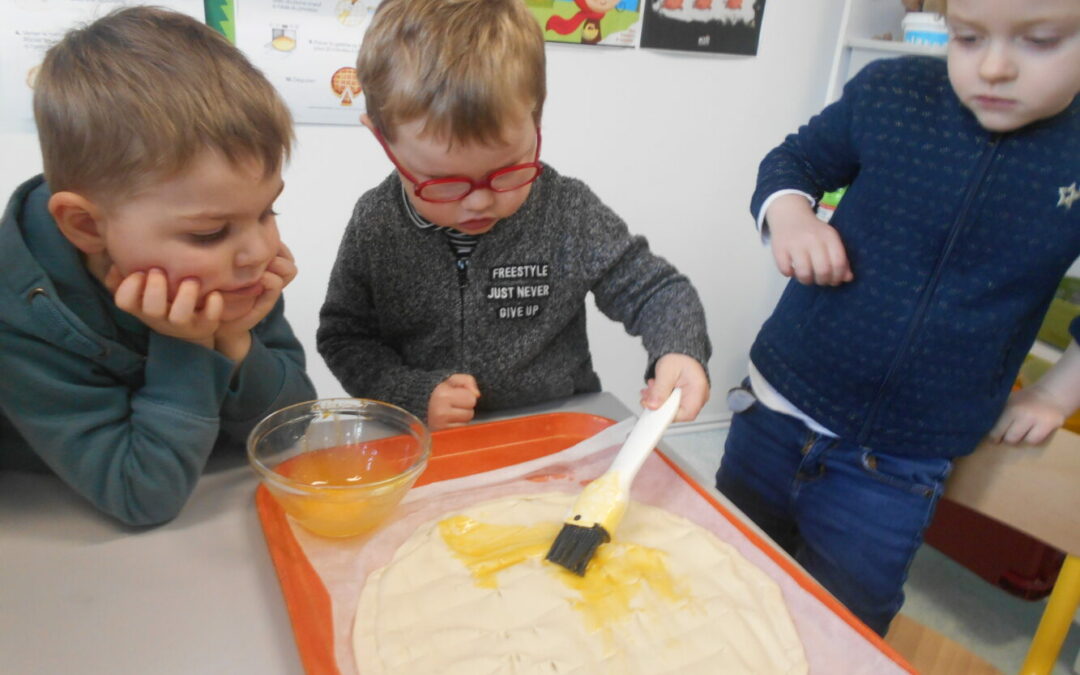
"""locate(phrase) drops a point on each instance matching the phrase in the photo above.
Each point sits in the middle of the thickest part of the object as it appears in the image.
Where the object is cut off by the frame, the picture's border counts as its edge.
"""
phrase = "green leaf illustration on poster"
(221, 16)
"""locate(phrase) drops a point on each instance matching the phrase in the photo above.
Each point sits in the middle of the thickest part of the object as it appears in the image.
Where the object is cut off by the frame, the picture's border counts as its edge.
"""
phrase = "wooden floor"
(931, 653)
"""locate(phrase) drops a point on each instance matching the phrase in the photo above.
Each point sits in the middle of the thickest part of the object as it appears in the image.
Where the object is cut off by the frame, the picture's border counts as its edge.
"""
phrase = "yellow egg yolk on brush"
(606, 592)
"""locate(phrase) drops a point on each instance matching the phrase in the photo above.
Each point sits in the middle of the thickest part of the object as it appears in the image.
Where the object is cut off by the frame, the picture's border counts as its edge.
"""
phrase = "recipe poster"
(712, 26)
(307, 49)
(29, 27)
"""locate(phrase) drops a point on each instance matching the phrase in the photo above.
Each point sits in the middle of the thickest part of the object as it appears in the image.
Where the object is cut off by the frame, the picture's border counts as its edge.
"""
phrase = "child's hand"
(233, 338)
(677, 370)
(1034, 412)
(1030, 416)
(453, 402)
(804, 246)
(278, 274)
(145, 295)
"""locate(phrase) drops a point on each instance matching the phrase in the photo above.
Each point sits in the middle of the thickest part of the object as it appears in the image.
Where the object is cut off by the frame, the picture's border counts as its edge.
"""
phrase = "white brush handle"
(646, 433)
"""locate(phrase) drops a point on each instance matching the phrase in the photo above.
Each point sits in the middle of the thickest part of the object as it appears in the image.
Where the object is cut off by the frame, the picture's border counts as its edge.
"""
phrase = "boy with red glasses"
(461, 280)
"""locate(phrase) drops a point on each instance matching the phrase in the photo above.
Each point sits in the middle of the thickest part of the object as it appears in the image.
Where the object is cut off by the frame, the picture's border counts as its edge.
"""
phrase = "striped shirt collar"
(462, 243)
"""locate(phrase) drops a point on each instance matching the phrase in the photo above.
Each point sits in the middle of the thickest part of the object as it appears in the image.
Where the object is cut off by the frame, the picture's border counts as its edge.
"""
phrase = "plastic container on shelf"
(925, 28)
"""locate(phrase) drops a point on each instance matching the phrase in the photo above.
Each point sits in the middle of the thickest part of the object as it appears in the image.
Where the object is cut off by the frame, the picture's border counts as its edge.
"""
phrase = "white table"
(80, 593)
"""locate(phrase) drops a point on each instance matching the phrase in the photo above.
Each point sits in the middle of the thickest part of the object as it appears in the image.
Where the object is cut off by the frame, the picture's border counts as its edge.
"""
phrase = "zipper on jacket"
(928, 292)
(462, 265)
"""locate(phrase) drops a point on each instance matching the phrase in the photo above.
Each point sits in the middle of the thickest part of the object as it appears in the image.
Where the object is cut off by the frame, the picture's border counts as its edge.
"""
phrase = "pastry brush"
(601, 505)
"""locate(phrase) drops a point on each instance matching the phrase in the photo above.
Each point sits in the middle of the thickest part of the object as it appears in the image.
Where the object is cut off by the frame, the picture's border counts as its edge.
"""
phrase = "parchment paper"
(832, 646)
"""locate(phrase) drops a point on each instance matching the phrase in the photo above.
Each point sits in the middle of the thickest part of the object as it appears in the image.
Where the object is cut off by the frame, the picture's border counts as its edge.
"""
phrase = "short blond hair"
(465, 66)
(136, 95)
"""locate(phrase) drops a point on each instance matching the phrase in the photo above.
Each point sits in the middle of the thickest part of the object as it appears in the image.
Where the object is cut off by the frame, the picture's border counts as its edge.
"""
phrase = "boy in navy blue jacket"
(896, 350)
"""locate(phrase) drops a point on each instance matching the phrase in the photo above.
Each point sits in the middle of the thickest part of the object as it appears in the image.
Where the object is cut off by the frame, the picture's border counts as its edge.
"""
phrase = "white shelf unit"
(860, 22)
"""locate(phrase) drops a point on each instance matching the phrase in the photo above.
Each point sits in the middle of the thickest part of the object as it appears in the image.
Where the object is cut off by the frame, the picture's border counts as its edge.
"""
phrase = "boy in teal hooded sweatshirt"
(141, 319)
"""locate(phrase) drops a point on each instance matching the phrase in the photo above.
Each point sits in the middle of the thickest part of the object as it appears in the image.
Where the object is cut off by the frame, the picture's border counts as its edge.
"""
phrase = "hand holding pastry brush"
(601, 505)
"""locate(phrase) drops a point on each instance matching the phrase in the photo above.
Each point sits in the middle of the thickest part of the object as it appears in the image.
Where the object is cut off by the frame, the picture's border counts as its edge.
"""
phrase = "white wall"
(669, 140)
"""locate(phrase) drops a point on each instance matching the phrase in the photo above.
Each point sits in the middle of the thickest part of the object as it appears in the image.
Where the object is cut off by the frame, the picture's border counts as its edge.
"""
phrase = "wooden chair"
(1037, 491)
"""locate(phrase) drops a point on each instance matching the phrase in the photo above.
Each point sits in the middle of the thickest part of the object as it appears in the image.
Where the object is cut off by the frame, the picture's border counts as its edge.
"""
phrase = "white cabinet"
(860, 22)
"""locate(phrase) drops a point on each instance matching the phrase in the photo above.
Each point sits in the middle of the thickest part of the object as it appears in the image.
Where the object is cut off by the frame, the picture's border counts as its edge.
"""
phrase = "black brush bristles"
(575, 546)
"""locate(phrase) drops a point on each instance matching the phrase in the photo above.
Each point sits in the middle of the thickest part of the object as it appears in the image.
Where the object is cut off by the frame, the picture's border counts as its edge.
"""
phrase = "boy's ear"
(79, 221)
(366, 121)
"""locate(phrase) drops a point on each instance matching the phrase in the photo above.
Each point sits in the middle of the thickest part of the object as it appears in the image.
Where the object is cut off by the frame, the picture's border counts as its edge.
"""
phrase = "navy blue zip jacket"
(957, 238)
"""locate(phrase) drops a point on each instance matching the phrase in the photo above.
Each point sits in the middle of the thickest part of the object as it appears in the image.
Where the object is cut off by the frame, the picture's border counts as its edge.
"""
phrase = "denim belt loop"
(813, 463)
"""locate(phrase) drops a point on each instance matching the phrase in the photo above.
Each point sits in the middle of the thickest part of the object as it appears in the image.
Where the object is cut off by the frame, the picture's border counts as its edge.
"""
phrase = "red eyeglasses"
(456, 188)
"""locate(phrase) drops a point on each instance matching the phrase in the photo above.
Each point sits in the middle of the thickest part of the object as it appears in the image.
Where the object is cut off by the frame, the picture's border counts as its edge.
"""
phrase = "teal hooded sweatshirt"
(125, 416)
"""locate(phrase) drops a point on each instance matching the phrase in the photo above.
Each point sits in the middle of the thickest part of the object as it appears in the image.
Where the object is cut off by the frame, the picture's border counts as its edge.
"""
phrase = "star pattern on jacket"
(1068, 195)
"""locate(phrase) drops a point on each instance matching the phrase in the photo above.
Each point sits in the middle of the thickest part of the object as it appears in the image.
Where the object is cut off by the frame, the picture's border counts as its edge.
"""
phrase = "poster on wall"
(30, 27)
(612, 23)
(714, 26)
(307, 49)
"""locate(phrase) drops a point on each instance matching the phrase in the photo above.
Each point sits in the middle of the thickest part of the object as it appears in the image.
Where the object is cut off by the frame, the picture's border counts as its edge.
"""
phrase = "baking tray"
(464, 451)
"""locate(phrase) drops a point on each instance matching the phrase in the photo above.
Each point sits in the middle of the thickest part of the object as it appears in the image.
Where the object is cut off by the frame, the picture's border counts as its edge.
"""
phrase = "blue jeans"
(850, 516)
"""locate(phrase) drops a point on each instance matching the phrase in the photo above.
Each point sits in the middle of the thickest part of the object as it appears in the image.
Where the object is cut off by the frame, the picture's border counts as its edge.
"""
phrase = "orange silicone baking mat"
(461, 452)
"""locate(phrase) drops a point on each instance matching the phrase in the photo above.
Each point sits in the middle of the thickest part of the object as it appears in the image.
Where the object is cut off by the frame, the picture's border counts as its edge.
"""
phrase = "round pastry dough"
(424, 613)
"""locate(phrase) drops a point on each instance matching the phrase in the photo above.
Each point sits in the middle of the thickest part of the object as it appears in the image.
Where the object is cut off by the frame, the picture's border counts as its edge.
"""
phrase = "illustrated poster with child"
(612, 23)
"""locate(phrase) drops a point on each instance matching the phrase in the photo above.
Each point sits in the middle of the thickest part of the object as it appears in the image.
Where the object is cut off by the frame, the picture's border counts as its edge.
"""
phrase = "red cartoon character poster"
(615, 23)
(717, 26)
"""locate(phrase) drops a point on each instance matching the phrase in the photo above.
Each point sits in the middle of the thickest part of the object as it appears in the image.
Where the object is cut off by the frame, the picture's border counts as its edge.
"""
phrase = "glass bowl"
(339, 466)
